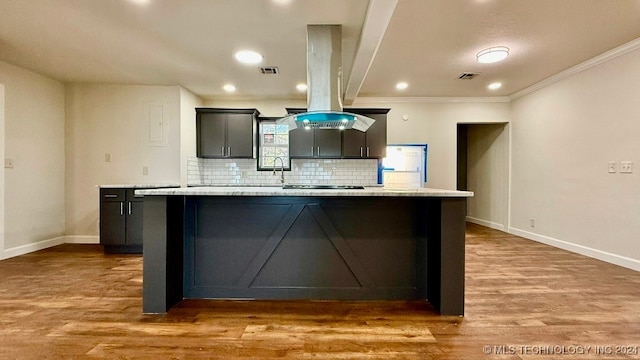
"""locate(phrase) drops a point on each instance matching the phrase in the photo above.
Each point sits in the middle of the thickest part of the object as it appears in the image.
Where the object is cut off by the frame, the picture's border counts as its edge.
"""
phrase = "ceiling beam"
(375, 25)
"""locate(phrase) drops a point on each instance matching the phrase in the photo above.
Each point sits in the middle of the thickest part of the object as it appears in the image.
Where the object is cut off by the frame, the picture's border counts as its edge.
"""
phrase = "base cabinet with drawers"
(121, 220)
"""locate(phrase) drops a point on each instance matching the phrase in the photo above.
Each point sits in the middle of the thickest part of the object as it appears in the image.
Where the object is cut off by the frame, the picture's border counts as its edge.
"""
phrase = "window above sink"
(273, 144)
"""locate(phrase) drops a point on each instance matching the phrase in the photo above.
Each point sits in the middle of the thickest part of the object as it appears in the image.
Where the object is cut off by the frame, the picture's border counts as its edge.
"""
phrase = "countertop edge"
(278, 191)
(138, 186)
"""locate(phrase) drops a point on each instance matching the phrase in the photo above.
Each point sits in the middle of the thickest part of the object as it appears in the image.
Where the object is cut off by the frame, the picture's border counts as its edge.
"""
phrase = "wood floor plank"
(74, 302)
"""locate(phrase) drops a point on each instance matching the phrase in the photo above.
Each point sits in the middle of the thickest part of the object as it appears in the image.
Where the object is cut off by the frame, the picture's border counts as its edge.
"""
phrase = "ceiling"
(427, 43)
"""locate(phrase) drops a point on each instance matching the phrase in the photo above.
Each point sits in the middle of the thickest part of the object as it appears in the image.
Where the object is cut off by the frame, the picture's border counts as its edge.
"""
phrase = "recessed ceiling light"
(301, 87)
(491, 55)
(229, 87)
(140, 2)
(402, 85)
(248, 57)
(494, 86)
(282, 2)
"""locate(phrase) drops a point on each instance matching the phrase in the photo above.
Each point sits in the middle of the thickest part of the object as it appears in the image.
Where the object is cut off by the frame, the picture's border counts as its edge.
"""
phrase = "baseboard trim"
(486, 223)
(82, 239)
(29, 248)
(608, 257)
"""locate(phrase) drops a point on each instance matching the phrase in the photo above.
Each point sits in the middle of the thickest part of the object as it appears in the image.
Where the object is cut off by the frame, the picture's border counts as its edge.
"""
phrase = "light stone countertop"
(279, 191)
(138, 186)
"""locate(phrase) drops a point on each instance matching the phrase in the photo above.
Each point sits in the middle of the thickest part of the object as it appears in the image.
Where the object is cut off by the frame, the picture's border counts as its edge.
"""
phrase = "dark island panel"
(309, 248)
(303, 247)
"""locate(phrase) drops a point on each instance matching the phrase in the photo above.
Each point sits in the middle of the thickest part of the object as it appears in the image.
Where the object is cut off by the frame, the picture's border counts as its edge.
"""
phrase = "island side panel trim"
(452, 256)
(162, 253)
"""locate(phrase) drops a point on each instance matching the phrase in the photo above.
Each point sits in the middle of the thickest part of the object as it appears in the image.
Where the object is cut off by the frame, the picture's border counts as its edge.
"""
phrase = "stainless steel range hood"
(324, 85)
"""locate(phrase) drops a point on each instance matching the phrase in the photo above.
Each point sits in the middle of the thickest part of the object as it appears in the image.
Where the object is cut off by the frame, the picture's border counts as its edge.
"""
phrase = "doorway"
(483, 167)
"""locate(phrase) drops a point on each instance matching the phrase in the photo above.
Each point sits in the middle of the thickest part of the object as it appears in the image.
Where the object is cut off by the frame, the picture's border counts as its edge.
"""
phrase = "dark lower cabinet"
(120, 220)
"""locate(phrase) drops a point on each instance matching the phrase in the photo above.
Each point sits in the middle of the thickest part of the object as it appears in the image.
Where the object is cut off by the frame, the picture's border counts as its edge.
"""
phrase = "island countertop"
(279, 191)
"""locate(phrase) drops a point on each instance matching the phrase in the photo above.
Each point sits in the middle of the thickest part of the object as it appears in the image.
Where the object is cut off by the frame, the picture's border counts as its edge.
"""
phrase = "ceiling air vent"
(467, 76)
(269, 70)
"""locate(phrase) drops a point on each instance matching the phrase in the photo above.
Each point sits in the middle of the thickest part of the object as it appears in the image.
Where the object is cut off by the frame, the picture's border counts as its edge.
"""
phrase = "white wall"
(188, 103)
(488, 174)
(115, 119)
(34, 117)
(434, 122)
(563, 137)
(2, 171)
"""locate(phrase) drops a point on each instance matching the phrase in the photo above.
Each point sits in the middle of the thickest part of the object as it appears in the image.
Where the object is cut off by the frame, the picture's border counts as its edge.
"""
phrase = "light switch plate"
(626, 167)
(8, 163)
(612, 167)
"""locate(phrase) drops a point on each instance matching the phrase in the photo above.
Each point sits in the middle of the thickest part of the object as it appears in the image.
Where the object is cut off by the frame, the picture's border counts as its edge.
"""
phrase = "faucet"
(281, 168)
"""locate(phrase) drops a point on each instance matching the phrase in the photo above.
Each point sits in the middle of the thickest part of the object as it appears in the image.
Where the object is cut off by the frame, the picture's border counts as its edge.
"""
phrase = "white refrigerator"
(405, 166)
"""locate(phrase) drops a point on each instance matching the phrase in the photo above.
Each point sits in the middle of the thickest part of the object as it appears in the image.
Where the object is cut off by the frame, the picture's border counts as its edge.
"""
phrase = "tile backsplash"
(303, 171)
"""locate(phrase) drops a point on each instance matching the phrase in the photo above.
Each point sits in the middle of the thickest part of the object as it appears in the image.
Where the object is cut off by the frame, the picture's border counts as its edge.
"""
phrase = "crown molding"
(432, 100)
(593, 62)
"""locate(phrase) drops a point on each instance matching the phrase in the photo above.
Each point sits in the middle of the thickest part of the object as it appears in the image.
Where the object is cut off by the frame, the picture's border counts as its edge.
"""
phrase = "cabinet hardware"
(360, 151)
(121, 208)
(318, 150)
(367, 151)
(110, 195)
(229, 151)
(129, 207)
(222, 150)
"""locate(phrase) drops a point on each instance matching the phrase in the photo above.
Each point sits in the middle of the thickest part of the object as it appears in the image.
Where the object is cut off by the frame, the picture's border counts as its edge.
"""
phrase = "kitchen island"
(275, 243)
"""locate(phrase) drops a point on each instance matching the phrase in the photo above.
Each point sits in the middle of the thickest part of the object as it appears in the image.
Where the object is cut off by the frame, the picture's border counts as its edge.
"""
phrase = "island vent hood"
(324, 85)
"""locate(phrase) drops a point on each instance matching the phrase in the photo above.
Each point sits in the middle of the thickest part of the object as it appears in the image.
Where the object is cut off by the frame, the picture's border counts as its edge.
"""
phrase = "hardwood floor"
(524, 299)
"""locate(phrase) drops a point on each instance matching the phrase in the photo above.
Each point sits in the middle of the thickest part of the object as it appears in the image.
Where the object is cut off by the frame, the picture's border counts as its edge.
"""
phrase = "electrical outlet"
(626, 167)
(612, 167)
(107, 157)
(532, 223)
(145, 170)
(8, 163)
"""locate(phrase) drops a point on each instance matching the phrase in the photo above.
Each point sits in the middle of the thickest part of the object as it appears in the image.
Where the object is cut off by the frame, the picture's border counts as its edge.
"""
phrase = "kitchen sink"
(325, 187)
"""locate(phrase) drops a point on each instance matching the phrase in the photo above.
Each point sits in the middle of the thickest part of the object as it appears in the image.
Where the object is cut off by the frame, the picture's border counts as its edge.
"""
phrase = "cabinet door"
(112, 222)
(328, 143)
(211, 130)
(353, 143)
(301, 143)
(376, 137)
(240, 135)
(134, 222)
(133, 215)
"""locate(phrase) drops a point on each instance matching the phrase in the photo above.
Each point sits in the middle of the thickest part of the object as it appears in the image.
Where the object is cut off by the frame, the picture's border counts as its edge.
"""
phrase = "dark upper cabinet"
(328, 143)
(211, 132)
(226, 133)
(325, 143)
(120, 220)
(301, 143)
(315, 143)
(351, 143)
(354, 144)
(369, 144)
